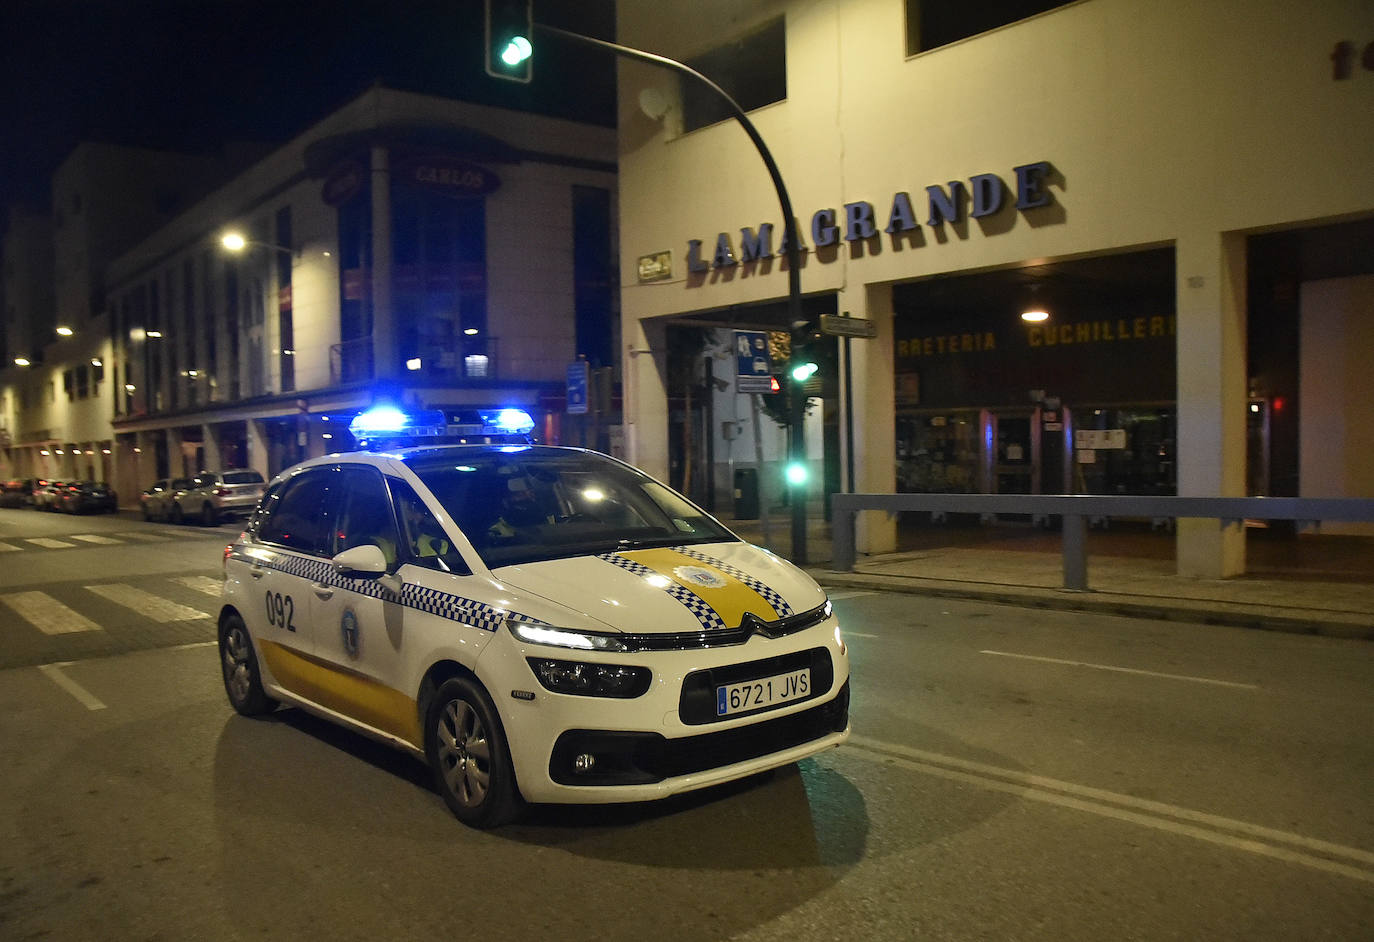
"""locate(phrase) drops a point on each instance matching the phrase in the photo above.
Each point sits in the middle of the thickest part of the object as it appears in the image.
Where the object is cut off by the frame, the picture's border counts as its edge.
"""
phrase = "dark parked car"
(17, 493)
(87, 497)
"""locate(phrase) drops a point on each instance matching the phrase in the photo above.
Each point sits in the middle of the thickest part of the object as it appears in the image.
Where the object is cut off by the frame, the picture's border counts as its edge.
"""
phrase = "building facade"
(1185, 189)
(405, 249)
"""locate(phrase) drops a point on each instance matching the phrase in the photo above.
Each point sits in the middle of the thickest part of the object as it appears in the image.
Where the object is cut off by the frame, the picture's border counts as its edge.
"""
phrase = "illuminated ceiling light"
(413, 364)
(44, 452)
(129, 387)
(22, 361)
(104, 451)
(472, 331)
(1035, 316)
(153, 334)
(327, 436)
(65, 331)
(96, 361)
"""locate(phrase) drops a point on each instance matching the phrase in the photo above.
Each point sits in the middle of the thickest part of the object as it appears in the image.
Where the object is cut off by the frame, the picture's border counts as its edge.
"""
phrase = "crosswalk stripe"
(146, 603)
(48, 543)
(145, 537)
(47, 614)
(94, 538)
(207, 584)
(9, 548)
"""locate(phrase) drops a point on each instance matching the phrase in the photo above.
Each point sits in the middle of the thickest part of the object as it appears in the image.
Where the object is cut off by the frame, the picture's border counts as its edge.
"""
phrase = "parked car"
(87, 497)
(17, 493)
(215, 495)
(157, 500)
(47, 494)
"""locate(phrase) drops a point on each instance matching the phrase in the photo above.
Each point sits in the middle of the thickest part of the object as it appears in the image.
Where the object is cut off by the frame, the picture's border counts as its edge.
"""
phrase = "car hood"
(667, 590)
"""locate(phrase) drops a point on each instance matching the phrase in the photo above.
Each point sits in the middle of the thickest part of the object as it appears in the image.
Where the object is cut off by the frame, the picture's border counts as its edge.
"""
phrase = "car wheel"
(177, 516)
(208, 517)
(467, 749)
(242, 682)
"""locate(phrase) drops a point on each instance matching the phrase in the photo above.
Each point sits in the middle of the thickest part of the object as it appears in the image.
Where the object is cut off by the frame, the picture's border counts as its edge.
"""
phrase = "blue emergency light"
(389, 426)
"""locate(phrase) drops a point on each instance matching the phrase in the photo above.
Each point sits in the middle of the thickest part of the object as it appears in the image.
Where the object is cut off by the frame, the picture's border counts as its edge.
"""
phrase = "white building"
(1188, 187)
(408, 248)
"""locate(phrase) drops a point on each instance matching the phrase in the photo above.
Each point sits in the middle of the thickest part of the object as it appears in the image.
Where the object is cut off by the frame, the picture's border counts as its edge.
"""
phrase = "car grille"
(644, 758)
(723, 637)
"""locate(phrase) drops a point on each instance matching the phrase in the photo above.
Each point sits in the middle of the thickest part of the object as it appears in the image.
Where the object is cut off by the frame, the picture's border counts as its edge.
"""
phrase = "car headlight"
(590, 680)
(532, 633)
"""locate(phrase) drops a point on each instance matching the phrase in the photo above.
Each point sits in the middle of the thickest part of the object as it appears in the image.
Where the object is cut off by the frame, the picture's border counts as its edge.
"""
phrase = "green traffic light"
(804, 371)
(517, 50)
(797, 474)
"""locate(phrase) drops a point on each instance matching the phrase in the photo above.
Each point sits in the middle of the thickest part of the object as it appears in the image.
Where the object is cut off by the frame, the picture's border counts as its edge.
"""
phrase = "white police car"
(540, 624)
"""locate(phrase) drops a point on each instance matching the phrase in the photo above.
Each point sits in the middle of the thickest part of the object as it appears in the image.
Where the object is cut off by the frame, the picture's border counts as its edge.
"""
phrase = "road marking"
(207, 584)
(9, 548)
(47, 543)
(1125, 670)
(146, 603)
(93, 538)
(1252, 838)
(840, 596)
(54, 673)
(146, 537)
(47, 614)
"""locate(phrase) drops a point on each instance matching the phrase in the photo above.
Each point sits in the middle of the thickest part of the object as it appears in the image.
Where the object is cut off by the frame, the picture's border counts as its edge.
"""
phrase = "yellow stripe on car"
(366, 701)
(728, 597)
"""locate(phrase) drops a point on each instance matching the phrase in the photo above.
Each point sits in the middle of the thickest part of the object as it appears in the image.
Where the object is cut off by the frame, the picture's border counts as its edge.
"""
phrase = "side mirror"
(361, 562)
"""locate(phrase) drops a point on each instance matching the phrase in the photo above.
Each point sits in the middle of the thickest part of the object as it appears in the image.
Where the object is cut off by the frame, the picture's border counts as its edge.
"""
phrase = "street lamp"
(235, 241)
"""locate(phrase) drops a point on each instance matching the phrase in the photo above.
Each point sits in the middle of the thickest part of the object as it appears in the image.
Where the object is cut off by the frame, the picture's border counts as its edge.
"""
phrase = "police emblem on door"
(349, 629)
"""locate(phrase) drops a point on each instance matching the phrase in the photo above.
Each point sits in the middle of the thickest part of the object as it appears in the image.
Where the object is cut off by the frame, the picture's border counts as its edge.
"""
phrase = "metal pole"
(793, 252)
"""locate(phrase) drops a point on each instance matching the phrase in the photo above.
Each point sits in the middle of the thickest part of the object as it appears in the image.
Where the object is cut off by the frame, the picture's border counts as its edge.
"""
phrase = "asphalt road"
(1014, 774)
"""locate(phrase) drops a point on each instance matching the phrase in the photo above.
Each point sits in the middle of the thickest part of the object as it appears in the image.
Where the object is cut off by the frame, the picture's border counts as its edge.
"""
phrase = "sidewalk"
(1315, 584)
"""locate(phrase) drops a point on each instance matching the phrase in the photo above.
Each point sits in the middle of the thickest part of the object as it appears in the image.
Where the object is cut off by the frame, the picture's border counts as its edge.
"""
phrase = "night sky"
(189, 74)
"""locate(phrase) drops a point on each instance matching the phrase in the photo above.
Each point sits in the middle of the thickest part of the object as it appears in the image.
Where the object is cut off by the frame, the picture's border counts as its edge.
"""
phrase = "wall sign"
(983, 195)
(447, 175)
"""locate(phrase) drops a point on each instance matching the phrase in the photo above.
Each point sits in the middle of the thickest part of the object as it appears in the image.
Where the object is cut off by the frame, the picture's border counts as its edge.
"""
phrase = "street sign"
(754, 365)
(838, 326)
(577, 387)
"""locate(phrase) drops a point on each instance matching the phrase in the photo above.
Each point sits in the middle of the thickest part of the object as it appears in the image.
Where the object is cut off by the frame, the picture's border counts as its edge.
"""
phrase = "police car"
(539, 624)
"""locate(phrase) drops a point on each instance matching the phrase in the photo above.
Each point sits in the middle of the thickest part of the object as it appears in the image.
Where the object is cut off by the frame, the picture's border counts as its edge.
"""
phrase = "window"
(752, 70)
(422, 534)
(298, 515)
(931, 24)
(365, 518)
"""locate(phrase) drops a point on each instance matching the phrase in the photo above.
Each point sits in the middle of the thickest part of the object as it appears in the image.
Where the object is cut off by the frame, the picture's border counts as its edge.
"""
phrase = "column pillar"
(176, 455)
(384, 363)
(258, 458)
(1211, 397)
(210, 442)
(874, 414)
(646, 397)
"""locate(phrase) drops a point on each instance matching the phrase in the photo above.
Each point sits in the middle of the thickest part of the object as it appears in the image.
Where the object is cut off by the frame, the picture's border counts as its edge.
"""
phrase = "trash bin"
(746, 494)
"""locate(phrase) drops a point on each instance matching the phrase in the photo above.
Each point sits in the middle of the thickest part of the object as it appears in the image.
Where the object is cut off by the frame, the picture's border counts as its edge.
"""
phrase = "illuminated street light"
(237, 242)
(65, 331)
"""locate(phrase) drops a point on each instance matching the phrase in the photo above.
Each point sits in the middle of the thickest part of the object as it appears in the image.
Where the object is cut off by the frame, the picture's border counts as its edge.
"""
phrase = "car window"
(365, 515)
(298, 515)
(528, 505)
(421, 533)
(180, 484)
(242, 477)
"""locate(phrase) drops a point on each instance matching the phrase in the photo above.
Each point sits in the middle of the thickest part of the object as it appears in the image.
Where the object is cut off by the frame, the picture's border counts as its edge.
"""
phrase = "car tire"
(177, 516)
(208, 516)
(239, 665)
(466, 747)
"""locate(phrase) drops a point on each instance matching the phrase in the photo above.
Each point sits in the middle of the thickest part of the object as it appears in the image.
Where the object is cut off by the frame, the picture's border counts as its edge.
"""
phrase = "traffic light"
(509, 46)
(804, 370)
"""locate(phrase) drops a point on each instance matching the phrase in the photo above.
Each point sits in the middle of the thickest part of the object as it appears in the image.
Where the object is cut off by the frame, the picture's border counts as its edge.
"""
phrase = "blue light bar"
(510, 421)
(378, 419)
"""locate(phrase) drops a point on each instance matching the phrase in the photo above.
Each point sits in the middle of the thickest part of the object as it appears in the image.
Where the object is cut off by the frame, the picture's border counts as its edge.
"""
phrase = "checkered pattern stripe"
(769, 595)
(694, 603)
(431, 601)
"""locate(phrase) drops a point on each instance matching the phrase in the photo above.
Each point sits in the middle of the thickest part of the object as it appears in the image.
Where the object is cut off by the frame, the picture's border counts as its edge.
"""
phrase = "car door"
(288, 555)
(360, 623)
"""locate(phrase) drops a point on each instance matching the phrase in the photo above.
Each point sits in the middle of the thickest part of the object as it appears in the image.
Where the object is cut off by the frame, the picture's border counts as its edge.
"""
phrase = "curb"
(1326, 624)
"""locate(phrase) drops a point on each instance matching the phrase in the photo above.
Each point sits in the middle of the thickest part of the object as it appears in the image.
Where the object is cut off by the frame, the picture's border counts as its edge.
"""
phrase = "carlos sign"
(984, 194)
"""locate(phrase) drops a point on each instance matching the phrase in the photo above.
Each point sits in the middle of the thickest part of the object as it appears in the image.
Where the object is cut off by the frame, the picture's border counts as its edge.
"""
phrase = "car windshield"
(528, 504)
(242, 477)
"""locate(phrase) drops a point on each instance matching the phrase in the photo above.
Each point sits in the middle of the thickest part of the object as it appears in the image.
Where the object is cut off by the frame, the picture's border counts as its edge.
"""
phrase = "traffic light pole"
(797, 438)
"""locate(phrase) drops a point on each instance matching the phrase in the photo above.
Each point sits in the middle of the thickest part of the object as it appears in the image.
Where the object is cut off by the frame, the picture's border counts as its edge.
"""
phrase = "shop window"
(931, 24)
(752, 70)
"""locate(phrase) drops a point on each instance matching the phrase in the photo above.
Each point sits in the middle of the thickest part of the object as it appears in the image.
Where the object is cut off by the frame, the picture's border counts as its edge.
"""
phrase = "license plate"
(764, 692)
